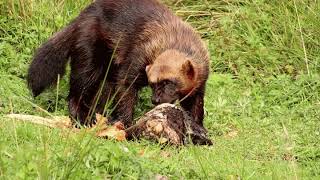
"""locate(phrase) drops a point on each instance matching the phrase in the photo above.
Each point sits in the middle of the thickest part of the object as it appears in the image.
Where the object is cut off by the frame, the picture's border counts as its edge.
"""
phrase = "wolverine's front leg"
(194, 104)
(124, 105)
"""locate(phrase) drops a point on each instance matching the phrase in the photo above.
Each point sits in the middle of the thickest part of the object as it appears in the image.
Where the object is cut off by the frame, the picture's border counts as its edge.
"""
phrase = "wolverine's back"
(127, 16)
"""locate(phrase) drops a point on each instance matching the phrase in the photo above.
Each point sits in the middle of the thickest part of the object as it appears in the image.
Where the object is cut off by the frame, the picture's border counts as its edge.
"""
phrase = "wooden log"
(169, 123)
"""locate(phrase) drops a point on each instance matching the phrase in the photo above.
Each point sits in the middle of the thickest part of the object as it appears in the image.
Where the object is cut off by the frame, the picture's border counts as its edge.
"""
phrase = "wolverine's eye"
(168, 82)
(170, 88)
(164, 82)
(152, 85)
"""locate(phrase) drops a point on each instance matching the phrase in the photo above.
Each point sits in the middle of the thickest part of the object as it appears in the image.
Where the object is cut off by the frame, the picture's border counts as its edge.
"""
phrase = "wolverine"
(117, 47)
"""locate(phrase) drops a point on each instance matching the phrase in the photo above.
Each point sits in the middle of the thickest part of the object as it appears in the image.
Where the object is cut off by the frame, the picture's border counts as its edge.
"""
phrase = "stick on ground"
(165, 123)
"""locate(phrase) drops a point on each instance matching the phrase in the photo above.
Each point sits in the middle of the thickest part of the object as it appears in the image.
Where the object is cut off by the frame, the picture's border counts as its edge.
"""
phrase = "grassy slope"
(262, 103)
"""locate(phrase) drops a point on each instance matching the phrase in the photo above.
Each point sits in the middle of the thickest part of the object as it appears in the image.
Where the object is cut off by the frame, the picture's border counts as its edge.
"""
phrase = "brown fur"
(144, 35)
(174, 65)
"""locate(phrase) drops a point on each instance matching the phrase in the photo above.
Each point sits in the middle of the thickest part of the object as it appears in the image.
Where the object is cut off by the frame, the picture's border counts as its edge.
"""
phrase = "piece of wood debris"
(165, 123)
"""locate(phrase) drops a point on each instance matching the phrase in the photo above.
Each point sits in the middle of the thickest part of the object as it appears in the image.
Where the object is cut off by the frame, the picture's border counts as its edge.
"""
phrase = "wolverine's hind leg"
(84, 105)
(85, 96)
(129, 82)
(124, 105)
(83, 89)
(89, 62)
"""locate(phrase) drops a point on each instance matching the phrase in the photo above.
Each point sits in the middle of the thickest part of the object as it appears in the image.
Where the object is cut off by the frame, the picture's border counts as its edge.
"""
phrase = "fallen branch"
(56, 122)
(165, 123)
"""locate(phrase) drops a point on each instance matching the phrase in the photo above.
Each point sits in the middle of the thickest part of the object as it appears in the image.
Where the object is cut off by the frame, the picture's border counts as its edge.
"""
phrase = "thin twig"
(302, 39)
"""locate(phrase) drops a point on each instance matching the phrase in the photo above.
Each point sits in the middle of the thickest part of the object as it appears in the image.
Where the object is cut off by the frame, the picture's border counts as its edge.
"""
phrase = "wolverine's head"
(171, 77)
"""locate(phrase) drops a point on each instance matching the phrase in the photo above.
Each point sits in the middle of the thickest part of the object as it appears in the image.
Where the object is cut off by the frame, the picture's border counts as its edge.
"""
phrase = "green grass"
(262, 101)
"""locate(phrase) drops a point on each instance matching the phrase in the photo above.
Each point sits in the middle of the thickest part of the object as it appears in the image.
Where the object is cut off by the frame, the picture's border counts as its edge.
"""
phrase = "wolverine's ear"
(148, 68)
(188, 69)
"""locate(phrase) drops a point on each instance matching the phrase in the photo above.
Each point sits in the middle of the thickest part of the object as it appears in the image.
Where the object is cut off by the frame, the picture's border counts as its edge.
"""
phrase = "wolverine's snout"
(155, 100)
(158, 100)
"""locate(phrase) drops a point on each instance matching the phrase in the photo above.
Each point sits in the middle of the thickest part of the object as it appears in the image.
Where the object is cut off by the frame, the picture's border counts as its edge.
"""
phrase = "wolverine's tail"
(50, 60)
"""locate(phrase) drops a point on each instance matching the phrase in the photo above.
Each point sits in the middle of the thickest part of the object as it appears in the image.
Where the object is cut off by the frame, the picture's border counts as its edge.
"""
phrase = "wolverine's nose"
(155, 101)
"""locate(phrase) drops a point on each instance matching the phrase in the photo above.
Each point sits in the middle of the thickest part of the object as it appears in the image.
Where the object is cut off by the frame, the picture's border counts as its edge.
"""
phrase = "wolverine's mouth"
(171, 102)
